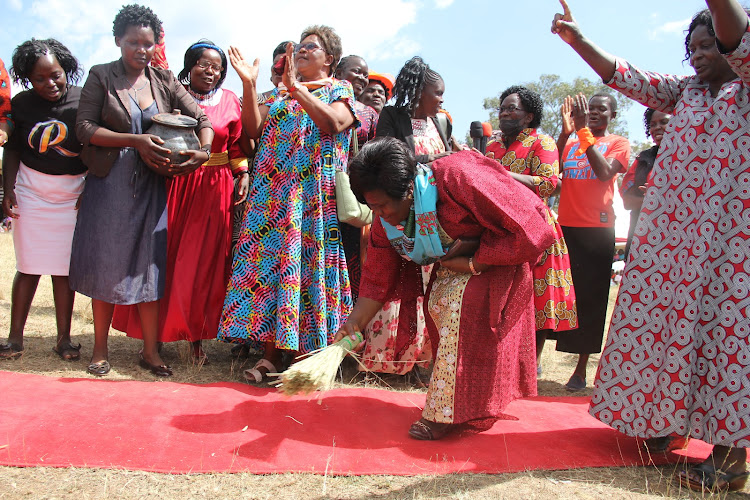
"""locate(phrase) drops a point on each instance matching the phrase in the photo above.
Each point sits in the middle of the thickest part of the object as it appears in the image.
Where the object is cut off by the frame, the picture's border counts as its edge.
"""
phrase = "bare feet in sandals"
(724, 470)
(10, 350)
(67, 350)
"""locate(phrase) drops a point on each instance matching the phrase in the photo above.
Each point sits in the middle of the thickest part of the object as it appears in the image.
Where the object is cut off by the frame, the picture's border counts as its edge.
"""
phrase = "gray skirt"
(119, 250)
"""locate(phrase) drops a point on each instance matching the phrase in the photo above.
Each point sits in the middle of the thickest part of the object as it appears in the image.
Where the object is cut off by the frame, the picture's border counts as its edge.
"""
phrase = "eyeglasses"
(309, 47)
(510, 109)
(202, 64)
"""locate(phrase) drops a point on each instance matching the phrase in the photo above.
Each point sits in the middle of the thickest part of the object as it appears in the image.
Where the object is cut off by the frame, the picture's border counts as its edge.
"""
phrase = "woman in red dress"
(199, 234)
(676, 361)
(478, 308)
(531, 158)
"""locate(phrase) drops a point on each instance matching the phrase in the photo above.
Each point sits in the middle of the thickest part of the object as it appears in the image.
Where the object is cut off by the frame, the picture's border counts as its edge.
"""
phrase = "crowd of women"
(463, 260)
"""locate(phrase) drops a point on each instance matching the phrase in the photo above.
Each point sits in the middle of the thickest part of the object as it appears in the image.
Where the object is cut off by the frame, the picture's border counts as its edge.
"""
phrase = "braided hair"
(410, 82)
(531, 101)
(193, 55)
(28, 53)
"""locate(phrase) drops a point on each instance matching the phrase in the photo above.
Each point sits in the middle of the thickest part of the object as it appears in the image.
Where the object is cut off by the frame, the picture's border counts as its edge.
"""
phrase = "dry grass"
(39, 482)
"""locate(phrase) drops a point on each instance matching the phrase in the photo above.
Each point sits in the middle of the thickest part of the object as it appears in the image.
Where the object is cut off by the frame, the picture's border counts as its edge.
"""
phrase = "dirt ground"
(74, 483)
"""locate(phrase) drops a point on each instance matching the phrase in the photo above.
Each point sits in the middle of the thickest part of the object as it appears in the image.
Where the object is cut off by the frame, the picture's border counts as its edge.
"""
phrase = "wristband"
(472, 268)
(207, 149)
(586, 139)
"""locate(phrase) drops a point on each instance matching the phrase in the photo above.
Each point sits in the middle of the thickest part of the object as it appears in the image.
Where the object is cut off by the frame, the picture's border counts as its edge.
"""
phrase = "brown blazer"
(105, 103)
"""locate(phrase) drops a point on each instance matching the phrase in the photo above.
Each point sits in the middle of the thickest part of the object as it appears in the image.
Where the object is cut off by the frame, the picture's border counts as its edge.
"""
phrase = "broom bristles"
(318, 371)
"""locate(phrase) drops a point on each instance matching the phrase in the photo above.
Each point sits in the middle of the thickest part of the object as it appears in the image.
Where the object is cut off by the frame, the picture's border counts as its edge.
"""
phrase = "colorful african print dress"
(481, 326)
(199, 234)
(677, 358)
(536, 155)
(289, 282)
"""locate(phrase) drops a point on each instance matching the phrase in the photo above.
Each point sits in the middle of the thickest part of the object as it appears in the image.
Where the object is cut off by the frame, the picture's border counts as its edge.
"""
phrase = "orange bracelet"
(586, 139)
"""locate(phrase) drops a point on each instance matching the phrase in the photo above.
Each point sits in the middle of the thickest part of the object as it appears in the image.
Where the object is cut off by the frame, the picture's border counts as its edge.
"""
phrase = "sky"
(480, 47)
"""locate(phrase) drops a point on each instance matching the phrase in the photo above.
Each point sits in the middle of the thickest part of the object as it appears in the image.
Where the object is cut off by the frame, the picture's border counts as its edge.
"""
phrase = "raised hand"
(580, 112)
(289, 77)
(565, 113)
(247, 72)
(565, 25)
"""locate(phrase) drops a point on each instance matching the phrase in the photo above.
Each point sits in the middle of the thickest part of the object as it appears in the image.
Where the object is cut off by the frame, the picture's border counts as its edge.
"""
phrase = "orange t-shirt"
(585, 201)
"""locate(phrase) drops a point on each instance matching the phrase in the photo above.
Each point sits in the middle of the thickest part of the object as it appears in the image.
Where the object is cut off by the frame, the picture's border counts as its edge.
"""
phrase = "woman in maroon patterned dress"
(479, 309)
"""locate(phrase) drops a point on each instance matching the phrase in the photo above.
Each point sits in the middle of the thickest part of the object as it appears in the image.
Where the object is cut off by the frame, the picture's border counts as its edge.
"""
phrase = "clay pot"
(177, 132)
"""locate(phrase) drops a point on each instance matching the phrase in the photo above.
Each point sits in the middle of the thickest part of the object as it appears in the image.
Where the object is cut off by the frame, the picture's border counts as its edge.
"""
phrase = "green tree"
(553, 91)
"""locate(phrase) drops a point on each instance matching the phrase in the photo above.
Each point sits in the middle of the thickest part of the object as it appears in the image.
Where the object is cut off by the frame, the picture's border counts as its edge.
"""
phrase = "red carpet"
(230, 427)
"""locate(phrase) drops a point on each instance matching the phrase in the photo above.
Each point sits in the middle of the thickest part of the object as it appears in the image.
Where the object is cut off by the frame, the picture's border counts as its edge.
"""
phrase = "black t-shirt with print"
(45, 133)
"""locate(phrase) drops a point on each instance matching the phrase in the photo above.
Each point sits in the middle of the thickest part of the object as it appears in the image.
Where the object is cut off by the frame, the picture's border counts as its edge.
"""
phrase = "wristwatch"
(207, 149)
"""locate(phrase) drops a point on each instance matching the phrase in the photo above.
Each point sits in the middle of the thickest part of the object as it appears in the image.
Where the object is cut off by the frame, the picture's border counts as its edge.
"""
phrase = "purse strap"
(354, 142)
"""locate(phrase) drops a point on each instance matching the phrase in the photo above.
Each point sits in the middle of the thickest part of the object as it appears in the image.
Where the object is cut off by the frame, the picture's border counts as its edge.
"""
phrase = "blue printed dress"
(289, 282)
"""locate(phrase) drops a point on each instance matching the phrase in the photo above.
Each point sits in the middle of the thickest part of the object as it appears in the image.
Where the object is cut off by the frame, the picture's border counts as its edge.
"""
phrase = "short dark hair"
(346, 60)
(647, 120)
(280, 49)
(193, 55)
(28, 53)
(411, 81)
(329, 39)
(607, 95)
(386, 164)
(531, 101)
(136, 15)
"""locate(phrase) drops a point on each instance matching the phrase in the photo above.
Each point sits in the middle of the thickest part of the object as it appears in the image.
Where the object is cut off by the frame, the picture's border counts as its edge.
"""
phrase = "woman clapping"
(289, 288)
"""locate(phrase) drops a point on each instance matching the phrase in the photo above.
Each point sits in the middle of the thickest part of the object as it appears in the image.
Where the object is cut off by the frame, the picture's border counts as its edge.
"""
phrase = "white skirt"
(43, 232)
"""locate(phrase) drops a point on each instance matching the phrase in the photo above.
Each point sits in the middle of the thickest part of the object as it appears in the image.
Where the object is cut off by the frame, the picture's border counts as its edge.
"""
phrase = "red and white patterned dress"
(677, 359)
(536, 155)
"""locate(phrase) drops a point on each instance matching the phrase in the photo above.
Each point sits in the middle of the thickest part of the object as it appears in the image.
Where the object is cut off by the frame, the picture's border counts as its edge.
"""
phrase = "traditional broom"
(318, 370)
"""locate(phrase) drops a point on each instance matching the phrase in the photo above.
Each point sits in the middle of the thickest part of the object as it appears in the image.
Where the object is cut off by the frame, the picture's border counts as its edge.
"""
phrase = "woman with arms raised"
(289, 288)
(120, 244)
(675, 362)
(479, 307)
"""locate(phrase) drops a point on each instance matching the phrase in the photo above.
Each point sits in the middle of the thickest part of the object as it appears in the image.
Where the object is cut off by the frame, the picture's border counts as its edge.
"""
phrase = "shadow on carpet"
(231, 427)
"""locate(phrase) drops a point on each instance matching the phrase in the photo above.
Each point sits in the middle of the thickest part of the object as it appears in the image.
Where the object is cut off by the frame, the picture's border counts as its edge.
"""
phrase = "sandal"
(9, 350)
(68, 351)
(425, 430)
(665, 444)
(259, 372)
(100, 368)
(705, 478)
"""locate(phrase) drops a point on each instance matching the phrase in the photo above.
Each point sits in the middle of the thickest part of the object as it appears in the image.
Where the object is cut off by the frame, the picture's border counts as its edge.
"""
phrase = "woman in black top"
(416, 116)
(634, 183)
(44, 177)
